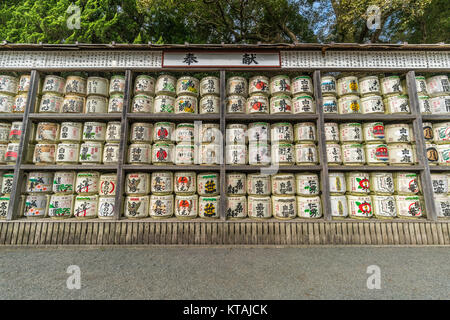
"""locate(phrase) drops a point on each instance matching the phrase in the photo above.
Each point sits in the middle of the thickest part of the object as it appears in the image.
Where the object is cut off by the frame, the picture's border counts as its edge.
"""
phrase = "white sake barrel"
(208, 207)
(39, 182)
(106, 207)
(398, 132)
(347, 85)
(409, 206)
(285, 153)
(210, 85)
(54, 84)
(328, 85)
(381, 183)
(350, 132)
(8, 85)
(61, 206)
(141, 132)
(117, 85)
(236, 154)
(186, 105)
(210, 154)
(144, 84)
(282, 132)
(115, 104)
(432, 154)
(96, 104)
(94, 131)
(259, 207)
(91, 152)
(210, 133)
(421, 86)
(258, 132)
(302, 84)
(209, 104)
(47, 132)
(161, 182)
(441, 132)
(166, 84)
(331, 132)
(163, 153)
(236, 133)
(236, 207)
(140, 153)
(235, 104)
(358, 183)
(283, 184)
(384, 207)
(329, 104)
(397, 104)
(307, 184)
(339, 208)
(6, 103)
(258, 184)
(20, 103)
(305, 132)
(439, 183)
(440, 105)
(186, 206)
(438, 85)
(87, 183)
(280, 104)
(67, 153)
(427, 131)
(36, 206)
(400, 154)
(185, 132)
(259, 153)
(187, 86)
(306, 154)
(303, 104)
(113, 130)
(406, 183)
(443, 154)
(349, 104)
(208, 184)
(257, 104)
(71, 132)
(359, 207)
(280, 85)
(236, 184)
(64, 182)
(4, 206)
(377, 154)
(163, 131)
(391, 85)
(73, 104)
(309, 207)
(424, 105)
(442, 204)
(3, 150)
(185, 182)
(372, 105)
(237, 86)
(75, 85)
(51, 103)
(111, 153)
(44, 154)
(162, 104)
(137, 207)
(353, 154)
(161, 206)
(7, 182)
(373, 132)
(369, 85)
(11, 153)
(334, 153)
(186, 153)
(137, 183)
(25, 83)
(97, 86)
(284, 207)
(259, 85)
(107, 184)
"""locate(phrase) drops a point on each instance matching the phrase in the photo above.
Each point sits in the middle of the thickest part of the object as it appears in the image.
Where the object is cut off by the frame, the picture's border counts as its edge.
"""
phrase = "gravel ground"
(225, 273)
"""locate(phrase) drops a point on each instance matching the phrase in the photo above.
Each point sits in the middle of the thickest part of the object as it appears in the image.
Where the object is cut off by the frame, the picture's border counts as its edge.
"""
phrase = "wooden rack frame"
(319, 118)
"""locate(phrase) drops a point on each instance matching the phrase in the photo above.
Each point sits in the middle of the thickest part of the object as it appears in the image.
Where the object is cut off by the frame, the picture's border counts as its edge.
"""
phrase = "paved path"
(225, 273)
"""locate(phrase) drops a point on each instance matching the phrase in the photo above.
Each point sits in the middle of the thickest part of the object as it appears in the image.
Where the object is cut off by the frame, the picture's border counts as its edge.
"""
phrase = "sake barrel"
(20, 103)
(334, 153)
(339, 208)
(350, 132)
(347, 85)
(162, 104)
(51, 103)
(306, 154)
(258, 132)
(186, 153)
(305, 132)
(53, 84)
(358, 183)
(257, 104)
(381, 183)
(353, 154)
(94, 131)
(210, 133)
(329, 104)
(187, 86)
(409, 206)
(210, 154)
(47, 132)
(137, 183)
(144, 84)
(376, 154)
(106, 207)
(280, 85)
(384, 207)
(7, 182)
(161, 206)
(209, 104)
(441, 132)
(73, 104)
(236, 207)
(75, 85)
(397, 104)
(185, 182)
(282, 132)
(111, 153)
(39, 182)
(359, 206)
(113, 130)
(210, 85)
(208, 207)
(280, 104)
(186, 206)
(64, 182)
(421, 86)
(391, 85)
(236, 133)
(185, 132)
(208, 184)
(3, 150)
(285, 153)
(424, 104)
(97, 86)
(67, 153)
(406, 183)
(8, 85)
(309, 207)
(284, 207)
(161, 182)
(307, 184)
(96, 104)
(107, 184)
(442, 204)
(36, 206)
(87, 183)
(61, 206)
(259, 207)
(398, 132)
(259, 85)
(145, 104)
(236, 184)
(4, 206)
(24, 84)
(166, 84)
(71, 132)
(328, 85)
(44, 153)
(237, 86)
(141, 132)
(303, 104)
(302, 84)
(439, 183)
(283, 184)
(440, 104)
(427, 131)
(140, 153)
(349, 104)
(186, 104)
(163, 131)
(91, 152)
(373, 132)
(117, 85)
(438, 85)
(115, 104)
(432, 154)
(372, 105)
(331, 132)
(443, 154)
(235, 104)
(6, 103)
(11, 153)
(137, 207)
(258, 184)
(400, 154)
(369, 85)
(236, 154)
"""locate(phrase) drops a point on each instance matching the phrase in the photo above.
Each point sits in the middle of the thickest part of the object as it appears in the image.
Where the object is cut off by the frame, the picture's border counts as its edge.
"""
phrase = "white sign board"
(192, 59)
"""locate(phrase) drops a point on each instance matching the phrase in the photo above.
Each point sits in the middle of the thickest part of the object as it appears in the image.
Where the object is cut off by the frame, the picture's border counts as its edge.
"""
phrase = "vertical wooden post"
(421, 150)
(223, 195)
(18, 180)
(120, 183)
(325, 183)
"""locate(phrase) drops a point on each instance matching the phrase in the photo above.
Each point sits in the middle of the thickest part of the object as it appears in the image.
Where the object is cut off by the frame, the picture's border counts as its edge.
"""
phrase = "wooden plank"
(94, 235)
(316, 233)
(305, 233)
(174, 234)
(3, 227)
(101, 228)
(423, 233)
(43, 233)
(445, 231)
(229, 231)
(221, 233)
(248, 233)
(412, 232)
(345, 235)
(26, 232)
(389, 233)
(333, 232)
(66, 232)
(112, 232)
(134, 233)
(204, 235)
(405, 228)
(123, 232)
(239, 233)
(37, 235)
(288, 236)
(197, 233)
(180, 236)
(355, 233)
(417, 233)
(191, 232)
(163, 233)
(209, 233)
(89, 233)
(432, 231)
(282, 226)
(395, 233)
(322, 233)
(151, 238)
(9, 231)
(440, 234)
(78, 233)
(379, 235)
(401, 234)
(145, 233)
(106, 230)
(15, 232)
(277, 238)
(362, 234)
(72, 226)
(60, 239)
(82, 232)
(265, 233)
(384, 235)
(168, 239)
(369, 232)
(129, 232)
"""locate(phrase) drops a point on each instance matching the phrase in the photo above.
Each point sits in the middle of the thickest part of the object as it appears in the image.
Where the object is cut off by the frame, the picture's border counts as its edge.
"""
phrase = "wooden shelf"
(436, 117)
(4, 167)
(293, 168)
(75, 116)
(439, 168)
(375, 168)
(173, 117)
(173, 167)
(98, 167)
(11, 116)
